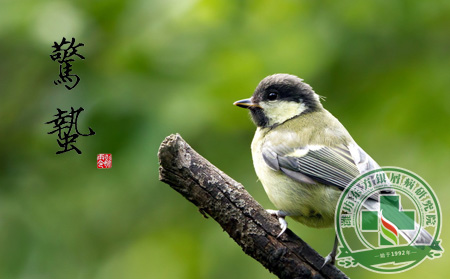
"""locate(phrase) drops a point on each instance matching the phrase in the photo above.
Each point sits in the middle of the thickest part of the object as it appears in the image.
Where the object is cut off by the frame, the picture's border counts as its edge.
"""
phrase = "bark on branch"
(242, 217)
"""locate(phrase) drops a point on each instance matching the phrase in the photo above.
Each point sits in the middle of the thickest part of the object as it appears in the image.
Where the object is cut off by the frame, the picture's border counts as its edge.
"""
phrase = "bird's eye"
(272, 96)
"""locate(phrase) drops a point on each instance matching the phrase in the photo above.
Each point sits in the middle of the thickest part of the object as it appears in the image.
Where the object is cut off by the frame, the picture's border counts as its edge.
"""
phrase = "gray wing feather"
(298, 176)
(362, 160)
(326, 165)
(271, 159)
(334, 166)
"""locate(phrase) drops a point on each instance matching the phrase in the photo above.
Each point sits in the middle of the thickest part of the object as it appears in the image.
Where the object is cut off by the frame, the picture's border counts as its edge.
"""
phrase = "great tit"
(303, 155)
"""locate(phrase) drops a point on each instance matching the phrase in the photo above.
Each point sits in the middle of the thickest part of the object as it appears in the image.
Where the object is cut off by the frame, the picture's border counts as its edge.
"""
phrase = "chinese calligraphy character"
(395, 178)
(409, 183)
(420, 192)
(346, 221)
(430, 220)
(428, 205)
(63, 56)
(65, 124)
(348, 206)
(381, 178)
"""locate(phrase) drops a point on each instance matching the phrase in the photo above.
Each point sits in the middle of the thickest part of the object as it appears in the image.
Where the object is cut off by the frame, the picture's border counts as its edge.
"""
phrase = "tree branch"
(242, 217)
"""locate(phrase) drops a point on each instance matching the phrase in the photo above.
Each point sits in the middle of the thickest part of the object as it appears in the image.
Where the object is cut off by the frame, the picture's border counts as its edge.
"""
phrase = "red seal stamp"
(104, 161)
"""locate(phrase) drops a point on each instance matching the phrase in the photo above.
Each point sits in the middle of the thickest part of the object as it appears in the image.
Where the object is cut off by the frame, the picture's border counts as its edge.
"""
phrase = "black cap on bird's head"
(278, 98)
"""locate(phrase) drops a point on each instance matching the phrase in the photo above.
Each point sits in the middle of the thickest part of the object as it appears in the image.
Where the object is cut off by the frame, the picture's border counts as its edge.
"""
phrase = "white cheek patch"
(279, 111)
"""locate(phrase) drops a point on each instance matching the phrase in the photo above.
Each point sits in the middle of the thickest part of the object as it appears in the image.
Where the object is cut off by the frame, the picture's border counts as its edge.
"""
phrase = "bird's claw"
(281, 218)
(328, 259)
(331, 258)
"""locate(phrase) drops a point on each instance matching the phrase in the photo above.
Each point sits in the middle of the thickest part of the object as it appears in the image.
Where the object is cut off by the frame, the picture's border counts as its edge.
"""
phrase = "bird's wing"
(333, 166)
(311, 164)
(363, 161)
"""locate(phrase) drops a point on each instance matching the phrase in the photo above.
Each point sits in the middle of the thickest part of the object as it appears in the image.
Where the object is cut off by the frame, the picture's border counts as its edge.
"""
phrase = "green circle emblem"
(388, 220)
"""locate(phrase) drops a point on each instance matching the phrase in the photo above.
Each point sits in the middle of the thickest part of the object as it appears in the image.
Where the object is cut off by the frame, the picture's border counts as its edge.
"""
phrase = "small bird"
(303, 155)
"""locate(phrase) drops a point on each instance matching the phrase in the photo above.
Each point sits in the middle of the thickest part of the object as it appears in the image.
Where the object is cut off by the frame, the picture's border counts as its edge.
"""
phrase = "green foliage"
(158, 67)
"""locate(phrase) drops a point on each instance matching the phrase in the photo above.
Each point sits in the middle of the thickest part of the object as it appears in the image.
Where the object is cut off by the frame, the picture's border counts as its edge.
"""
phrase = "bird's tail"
(424, 238)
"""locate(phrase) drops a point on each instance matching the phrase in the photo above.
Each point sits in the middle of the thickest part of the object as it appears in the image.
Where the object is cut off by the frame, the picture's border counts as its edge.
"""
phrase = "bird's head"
(278, 98)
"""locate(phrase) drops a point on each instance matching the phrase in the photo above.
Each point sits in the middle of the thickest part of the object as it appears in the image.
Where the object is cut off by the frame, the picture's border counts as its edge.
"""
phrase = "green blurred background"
(153, 68)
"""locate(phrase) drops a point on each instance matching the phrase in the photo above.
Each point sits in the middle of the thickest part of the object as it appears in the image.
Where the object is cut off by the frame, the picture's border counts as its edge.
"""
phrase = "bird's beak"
(246, 103)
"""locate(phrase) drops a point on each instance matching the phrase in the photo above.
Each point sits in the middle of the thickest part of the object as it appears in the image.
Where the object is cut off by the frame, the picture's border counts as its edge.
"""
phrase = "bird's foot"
(331, 258)
(280, 214)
